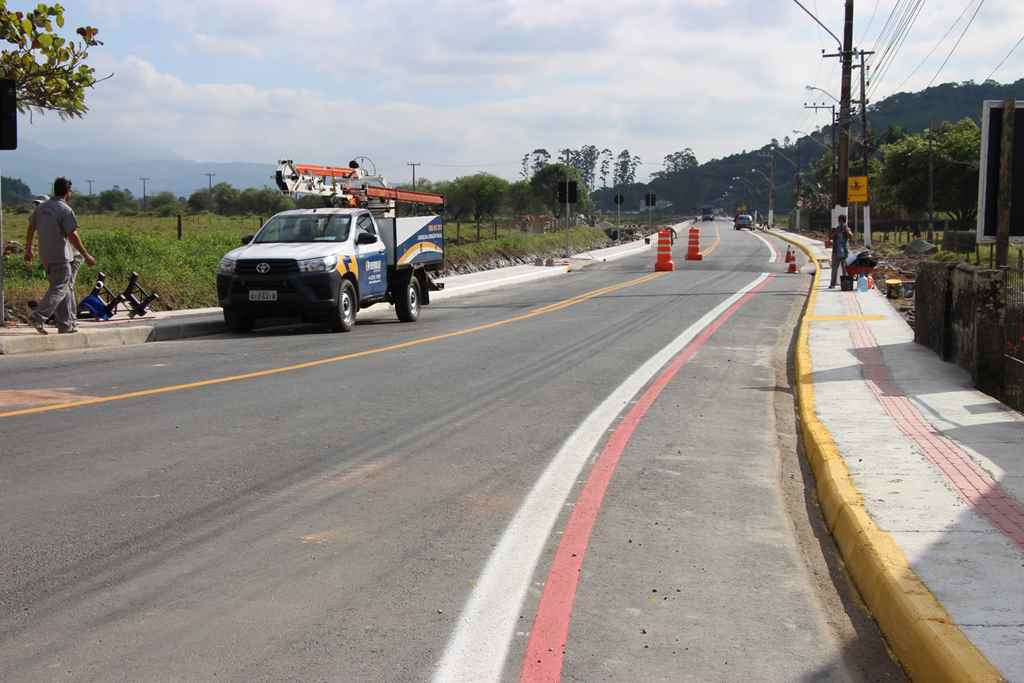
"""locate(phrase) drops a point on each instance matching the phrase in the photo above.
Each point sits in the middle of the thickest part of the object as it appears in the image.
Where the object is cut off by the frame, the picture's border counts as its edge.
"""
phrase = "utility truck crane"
(324, 265)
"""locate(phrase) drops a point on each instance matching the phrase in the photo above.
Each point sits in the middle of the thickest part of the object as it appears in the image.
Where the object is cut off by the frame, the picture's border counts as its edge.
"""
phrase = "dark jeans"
(837, 264)
(59, 300)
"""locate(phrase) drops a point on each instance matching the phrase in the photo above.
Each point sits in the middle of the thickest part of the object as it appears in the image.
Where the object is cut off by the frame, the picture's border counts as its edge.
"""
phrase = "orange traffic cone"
(791, 257)
(693, 249)
(664, 262)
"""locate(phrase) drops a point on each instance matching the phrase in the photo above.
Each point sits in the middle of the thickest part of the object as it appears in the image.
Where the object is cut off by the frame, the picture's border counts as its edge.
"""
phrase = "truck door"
(371, 258)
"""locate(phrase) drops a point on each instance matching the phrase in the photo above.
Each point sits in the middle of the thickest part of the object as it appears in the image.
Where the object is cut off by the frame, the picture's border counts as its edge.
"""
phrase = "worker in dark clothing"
(841, 237)
(57, 226)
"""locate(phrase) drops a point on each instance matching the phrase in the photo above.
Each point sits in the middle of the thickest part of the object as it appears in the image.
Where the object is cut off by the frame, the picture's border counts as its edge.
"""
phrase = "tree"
(625, 168)
(49, 70)
(539, 158)
(226, 199)
(545, 187)
(200, 200)
(677, 162)
(116, 199)
(15, 191)
(164, 204)
(479, 195)
(520, 198)
(606, 166)
(954, 151)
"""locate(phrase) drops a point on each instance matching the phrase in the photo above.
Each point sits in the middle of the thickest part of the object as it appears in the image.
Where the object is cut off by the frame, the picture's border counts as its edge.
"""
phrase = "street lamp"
(824, 92)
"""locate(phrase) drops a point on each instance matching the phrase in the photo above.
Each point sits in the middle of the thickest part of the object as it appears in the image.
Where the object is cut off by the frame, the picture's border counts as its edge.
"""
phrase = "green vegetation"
(48, 69)
(184, 272)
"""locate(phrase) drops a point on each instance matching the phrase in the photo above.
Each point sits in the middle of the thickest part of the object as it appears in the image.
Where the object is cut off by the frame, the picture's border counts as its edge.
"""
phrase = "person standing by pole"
(841, 236)
(57, 226)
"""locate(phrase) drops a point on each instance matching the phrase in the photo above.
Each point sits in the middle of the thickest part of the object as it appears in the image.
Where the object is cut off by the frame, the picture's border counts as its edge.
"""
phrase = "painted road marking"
(545, 651)
(773, 256)
(714, 245)
(543, 310)
(479, 645)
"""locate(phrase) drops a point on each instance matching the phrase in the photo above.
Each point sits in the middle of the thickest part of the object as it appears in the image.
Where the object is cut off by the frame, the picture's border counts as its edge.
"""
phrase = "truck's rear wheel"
(407, 305)
(237, 321)
(343, 317)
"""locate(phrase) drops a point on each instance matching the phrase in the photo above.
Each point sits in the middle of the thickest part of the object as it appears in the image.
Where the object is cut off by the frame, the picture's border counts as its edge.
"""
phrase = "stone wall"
(931, 307)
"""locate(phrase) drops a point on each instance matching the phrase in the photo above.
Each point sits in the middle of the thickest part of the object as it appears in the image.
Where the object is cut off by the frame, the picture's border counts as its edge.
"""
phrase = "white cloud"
(486, 81)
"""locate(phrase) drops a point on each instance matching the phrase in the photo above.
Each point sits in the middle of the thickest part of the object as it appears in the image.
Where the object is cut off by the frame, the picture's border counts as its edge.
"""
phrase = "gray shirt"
(54, 220)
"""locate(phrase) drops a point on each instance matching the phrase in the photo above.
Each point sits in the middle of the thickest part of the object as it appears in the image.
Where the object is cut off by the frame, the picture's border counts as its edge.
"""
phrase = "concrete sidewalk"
(171, 325)
(939, 467)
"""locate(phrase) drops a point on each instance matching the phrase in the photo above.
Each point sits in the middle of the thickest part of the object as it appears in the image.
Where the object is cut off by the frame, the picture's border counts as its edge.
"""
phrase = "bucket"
(846, 283)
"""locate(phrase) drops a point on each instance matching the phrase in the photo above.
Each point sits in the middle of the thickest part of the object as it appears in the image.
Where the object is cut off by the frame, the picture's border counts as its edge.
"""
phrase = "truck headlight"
(227, 265)
(318, 265)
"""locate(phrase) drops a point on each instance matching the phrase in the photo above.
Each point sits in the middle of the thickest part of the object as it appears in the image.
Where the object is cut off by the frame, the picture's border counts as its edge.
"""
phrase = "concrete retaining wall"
(960, 315)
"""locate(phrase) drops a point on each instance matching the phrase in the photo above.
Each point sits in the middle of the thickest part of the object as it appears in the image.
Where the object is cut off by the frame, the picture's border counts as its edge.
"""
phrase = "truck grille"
(276, 266)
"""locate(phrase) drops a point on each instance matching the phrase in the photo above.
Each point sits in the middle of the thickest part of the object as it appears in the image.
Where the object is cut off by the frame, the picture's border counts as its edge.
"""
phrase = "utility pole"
(414, 165)
(90, 181)
(931, 182)
(1005, 183)
(209, 178)
(846, 57)
(864, 111)
(771, 188)
(144, 181)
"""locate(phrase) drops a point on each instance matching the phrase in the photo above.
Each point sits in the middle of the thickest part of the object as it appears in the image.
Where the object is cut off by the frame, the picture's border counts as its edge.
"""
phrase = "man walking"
(841, 236)
(57, 226)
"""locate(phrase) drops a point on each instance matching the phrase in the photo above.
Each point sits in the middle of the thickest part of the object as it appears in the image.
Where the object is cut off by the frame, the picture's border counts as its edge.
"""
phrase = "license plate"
(262, 295)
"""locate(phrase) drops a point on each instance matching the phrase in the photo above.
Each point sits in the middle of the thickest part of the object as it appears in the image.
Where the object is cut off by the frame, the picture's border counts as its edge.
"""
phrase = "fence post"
(179, 227)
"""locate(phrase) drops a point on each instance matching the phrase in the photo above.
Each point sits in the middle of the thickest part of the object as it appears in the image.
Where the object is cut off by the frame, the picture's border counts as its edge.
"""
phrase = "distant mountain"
(912, 112)
(38, 165)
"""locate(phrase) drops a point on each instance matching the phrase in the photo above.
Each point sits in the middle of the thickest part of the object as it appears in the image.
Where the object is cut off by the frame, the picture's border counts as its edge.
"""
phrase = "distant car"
(707, 214)
(744, 220)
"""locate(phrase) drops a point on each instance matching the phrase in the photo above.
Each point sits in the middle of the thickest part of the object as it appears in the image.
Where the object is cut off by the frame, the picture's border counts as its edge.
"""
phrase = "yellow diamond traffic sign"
(857, 189)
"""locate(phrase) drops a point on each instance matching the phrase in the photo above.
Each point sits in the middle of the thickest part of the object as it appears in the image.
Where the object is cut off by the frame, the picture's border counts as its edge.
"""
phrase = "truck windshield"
(305, 228)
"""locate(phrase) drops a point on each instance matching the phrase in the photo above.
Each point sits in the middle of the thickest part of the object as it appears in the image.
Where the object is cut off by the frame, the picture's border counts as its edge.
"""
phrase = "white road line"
(480, 643)
(771, 247)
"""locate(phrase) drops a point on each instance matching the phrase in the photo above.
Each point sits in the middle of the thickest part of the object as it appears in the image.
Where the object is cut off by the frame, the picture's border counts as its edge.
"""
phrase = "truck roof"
(300, 212)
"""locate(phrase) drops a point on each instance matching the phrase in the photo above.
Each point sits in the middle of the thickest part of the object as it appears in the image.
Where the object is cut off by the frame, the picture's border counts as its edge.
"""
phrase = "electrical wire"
(899, 37)
(1008, 54)
(957, 44)
(941, 40)
(871, 22)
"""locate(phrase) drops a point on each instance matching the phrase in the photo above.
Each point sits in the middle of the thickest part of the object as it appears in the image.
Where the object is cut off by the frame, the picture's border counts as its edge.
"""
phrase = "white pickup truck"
(323, 265)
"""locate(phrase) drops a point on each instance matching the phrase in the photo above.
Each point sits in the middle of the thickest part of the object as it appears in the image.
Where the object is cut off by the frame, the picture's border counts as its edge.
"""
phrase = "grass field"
(184, 272)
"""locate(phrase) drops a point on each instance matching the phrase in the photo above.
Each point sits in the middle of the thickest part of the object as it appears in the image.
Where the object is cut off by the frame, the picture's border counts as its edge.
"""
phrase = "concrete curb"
(93, 339)
(922, 634)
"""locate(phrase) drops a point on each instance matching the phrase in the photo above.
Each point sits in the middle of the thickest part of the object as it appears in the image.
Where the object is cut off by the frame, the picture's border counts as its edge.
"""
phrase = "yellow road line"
(718, 239)
(920, 631)
(156, 391)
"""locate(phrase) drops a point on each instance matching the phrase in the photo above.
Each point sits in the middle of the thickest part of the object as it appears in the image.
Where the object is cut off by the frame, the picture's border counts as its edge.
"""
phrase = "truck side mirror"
(246, 239)
(366, 238)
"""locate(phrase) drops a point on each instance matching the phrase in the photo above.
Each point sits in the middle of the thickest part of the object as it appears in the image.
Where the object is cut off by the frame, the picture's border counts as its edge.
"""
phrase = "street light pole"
(846, 57)
(144, 181)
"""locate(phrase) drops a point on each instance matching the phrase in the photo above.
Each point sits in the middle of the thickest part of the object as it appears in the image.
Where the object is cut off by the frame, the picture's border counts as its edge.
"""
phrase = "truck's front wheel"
(407, 305)
(343, 317)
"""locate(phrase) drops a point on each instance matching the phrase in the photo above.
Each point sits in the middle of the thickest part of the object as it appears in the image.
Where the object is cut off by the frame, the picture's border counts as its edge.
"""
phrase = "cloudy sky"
(463, 86)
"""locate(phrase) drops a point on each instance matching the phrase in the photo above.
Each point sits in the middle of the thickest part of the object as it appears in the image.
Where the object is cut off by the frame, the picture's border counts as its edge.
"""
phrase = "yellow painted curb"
(922, 634)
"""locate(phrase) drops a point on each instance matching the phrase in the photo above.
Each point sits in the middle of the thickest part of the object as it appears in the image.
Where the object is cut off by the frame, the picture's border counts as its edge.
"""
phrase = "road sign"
(568, 192)
(650, 199)
(619, 200)
(857, 189)
(988, 181)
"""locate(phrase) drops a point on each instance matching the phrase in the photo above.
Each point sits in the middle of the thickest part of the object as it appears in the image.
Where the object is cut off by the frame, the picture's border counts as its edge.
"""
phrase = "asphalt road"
(331, 507)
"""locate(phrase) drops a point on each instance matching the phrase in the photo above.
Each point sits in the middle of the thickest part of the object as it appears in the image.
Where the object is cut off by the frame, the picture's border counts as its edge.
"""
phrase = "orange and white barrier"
(693, 250)
(664, 262)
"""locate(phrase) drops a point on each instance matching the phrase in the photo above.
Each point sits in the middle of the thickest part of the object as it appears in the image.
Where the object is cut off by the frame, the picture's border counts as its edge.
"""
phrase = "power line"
(1000, 64)
(899, 37)
(871, 22)
(957, 44)
(937, 44)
